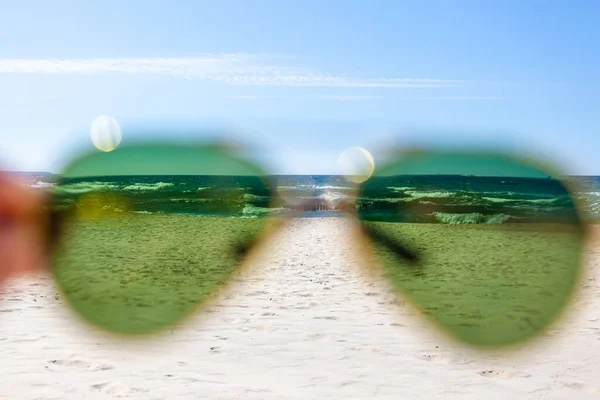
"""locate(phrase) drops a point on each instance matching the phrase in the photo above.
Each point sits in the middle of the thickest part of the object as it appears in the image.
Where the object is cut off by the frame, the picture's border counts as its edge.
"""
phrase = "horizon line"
(295, 174)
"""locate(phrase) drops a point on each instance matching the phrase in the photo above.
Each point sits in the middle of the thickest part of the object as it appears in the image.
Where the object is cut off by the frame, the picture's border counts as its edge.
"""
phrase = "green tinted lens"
(150, 231)
(486, 246)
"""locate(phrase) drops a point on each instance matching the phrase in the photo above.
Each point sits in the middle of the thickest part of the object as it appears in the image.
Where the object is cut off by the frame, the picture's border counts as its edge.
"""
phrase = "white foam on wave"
(315, 187)
(329, 196)
(419, 195)
(334, 187)
(250, 211)
(41, 185)
(188, 200)
(470, 218)
(146, 186)
(249, 197)
(84, 187)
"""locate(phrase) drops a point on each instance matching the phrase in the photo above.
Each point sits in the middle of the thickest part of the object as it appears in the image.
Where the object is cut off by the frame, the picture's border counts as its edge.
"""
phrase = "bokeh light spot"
(105, 133)
(357, 164)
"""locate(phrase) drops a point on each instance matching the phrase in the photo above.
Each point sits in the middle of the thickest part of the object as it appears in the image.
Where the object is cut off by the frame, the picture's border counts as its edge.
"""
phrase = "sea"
(446, 199)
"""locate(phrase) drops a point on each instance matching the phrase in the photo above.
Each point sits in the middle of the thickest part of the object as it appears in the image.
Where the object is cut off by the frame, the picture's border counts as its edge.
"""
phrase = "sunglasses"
(487, 246)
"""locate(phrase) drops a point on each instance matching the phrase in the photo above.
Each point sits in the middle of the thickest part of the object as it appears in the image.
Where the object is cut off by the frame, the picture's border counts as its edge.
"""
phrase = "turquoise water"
(451, 199)
(459, 199)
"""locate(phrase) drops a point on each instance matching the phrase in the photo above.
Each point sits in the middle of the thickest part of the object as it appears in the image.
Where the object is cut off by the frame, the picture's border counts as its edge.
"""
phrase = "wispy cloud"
(335, 97)
(254, 97)
(408, 98)
(453, 98)
(231, 69)
(308, 97)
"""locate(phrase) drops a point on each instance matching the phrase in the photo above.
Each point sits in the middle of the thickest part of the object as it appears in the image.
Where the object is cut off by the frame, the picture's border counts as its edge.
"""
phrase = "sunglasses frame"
(56, 221)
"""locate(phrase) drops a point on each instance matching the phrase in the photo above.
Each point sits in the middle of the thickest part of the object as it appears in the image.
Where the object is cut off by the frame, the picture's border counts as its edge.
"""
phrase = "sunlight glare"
(105, 133)
(357, 164)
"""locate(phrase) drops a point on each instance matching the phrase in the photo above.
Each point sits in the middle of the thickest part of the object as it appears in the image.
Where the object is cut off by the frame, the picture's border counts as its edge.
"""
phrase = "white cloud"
(254, 97)
(317, 97)
(335, 97)
(345, 97)
(453, 98)
(231, 69)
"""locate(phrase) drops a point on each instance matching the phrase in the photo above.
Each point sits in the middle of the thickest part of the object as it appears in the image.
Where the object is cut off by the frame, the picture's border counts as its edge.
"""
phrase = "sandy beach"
(303, 321)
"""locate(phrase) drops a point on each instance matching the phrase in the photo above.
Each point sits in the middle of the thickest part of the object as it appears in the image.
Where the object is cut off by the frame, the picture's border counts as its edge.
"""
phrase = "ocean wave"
(84, 187)
(415, 194)
(251, 211)
(547, 201)
(594, 210)
(588, 197)
(500, 199)
(470, 218)
(296, 187)
(508, 199)
(334, 187)
(330, 196)
(201, 188)
(464, 205)
(314, 187)
(400, 188)
(418, 199)
(188, 200)
(254, 197)
(41, 185)
(146, 186)
(369, 200)
(442, 194)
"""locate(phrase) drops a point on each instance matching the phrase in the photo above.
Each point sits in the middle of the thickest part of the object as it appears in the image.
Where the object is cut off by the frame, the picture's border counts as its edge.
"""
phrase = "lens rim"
(59, 219)
(395, 157)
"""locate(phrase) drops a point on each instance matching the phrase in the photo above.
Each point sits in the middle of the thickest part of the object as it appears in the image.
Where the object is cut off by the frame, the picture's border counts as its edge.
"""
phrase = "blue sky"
(301, 81)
